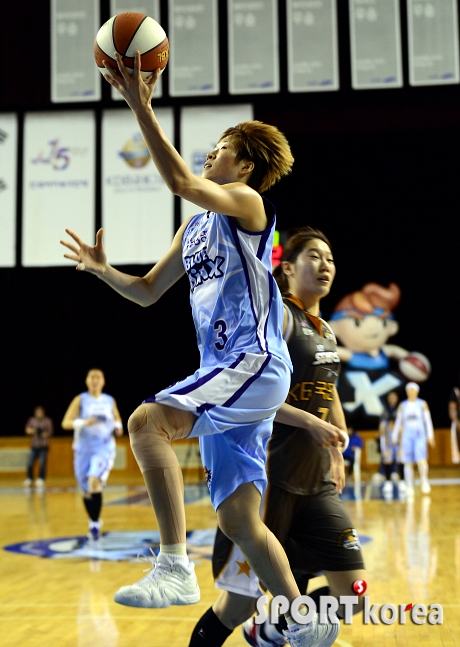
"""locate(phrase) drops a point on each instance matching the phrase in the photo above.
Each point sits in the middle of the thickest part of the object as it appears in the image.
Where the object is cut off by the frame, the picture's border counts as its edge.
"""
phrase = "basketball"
(127, 33)
(415, 367)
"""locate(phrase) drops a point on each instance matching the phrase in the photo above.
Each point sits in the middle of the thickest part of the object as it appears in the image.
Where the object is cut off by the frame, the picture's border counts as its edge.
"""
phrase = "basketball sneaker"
(94, 533)
(255, 635)
(167, 582)
(426, 487)
(27, 482)
(314, 634)
(387, 490)
(39, 483)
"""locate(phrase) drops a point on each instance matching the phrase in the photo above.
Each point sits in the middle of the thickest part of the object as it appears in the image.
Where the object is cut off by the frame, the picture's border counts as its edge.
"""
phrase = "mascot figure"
(363, 322)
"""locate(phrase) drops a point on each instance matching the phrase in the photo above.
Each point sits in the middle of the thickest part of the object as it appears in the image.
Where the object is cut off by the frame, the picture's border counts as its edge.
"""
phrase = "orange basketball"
(127, 33)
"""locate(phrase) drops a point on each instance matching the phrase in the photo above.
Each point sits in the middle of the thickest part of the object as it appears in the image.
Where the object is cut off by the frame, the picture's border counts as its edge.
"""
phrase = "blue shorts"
(97, 462)
(235, 402)
(413, 446)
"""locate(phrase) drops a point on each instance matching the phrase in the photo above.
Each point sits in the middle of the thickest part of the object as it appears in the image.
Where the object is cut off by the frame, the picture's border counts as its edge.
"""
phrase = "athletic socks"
(93, 505)
(209, 631)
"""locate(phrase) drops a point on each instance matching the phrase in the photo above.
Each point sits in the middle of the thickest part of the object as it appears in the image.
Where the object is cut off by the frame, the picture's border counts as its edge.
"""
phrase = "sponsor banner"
(137, 207)
(312, 45)
(201, 128)
(8, 169)
(253, 55)
(74, 75)
(433, 42)
(149, 8)
(375, 35)
(58, 184)
(194, 55)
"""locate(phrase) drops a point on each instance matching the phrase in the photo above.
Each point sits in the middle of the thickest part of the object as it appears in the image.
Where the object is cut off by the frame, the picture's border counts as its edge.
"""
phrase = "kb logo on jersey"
(200, 268)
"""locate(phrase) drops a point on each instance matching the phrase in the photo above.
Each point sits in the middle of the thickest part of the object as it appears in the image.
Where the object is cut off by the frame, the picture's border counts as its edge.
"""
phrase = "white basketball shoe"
(167, 582)
(387, 490)
(313, 635)
(426, 487)
(255, 636)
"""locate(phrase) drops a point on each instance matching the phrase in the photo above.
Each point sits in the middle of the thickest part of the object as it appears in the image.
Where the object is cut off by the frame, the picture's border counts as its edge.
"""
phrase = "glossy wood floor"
(413, 556)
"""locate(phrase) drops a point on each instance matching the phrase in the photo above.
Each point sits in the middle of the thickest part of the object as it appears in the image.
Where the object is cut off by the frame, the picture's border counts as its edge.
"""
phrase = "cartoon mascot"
(363, 322)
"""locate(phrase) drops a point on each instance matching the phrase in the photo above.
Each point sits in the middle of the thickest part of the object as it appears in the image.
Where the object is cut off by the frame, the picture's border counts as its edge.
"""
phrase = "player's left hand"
(337, 469)
(432, 442)
(136, 91)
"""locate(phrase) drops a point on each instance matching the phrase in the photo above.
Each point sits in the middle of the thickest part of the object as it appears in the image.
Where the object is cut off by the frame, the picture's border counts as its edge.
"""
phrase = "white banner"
(253, 56)
(137, 207)
(312, 45)
(74, 75)
(8, 170)
(194, 55)
(433, 42)
(149, 8)
(375, 33)
(200, 129)
(58, 185)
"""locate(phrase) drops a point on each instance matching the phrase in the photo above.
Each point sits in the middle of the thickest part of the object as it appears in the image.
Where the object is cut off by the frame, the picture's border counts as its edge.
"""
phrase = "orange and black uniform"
(302, 507)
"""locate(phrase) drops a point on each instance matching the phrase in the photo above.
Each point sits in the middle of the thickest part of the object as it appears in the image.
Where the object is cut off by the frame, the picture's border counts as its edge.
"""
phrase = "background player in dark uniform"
(454, 415)
(302, 507)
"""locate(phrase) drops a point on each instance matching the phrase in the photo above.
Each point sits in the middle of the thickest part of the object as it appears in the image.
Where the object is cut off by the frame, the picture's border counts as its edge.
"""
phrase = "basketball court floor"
(56, 588)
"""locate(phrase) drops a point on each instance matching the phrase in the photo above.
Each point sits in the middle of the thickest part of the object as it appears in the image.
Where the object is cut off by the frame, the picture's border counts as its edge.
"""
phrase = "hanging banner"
(312, 45)
(200, 129)
(149, 8)
(194, 48)
(433, 42)
(137, 207)
(74, 75)
(58, 184)
(375, 34)
(8, 170)
(253, 56)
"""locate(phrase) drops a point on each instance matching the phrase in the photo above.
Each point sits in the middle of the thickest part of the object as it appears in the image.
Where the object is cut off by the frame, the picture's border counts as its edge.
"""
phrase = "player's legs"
(152, 427)
(239, 519)
(172, 580)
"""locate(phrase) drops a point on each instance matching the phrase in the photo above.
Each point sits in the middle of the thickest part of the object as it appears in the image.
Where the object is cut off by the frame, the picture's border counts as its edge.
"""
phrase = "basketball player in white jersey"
(94, 418)
(244, 374)
(413, 430)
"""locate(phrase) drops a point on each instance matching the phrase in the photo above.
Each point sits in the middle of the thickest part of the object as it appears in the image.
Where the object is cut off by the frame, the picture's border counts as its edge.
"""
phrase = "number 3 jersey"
(295, 461)
(236, 304)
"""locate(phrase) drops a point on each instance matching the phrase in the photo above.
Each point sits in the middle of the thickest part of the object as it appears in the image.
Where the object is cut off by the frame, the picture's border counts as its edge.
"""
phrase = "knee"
(234, 529)
(138, 419)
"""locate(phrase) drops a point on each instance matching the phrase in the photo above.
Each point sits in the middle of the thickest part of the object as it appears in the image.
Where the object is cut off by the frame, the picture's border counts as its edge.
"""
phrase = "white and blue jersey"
(244, 372)
(94, 445)
(235, 301)
(414, 434)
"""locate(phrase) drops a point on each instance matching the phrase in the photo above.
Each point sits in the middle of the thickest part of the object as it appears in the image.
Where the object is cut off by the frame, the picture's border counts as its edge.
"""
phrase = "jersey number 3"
(220, 327)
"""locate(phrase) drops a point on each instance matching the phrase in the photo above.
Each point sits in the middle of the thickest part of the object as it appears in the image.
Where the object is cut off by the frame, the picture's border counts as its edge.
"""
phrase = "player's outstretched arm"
(232, 198)
(142, 290)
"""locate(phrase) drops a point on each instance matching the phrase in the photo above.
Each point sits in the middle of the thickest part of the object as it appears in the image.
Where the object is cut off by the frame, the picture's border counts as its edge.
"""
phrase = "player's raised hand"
(91, 259)
(136, 91)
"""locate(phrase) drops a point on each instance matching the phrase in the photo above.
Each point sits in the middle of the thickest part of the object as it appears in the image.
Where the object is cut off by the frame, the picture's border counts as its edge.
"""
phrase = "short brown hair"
(294, 246)
(264, 145)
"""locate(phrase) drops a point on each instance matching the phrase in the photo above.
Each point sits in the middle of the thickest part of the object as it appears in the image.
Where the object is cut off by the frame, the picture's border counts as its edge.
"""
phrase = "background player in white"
(413, 430)
(95, 418)
(243, 379)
